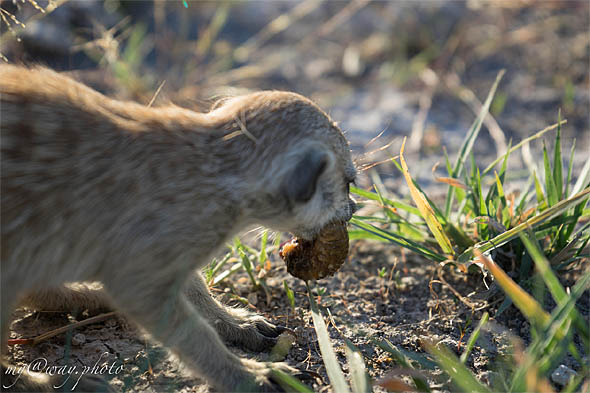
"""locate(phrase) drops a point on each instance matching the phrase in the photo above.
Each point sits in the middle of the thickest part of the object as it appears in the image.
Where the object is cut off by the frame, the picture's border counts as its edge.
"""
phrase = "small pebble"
(562, 375)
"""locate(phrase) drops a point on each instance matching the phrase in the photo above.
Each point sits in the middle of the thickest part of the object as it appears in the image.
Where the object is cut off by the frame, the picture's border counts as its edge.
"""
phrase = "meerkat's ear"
(301, 182)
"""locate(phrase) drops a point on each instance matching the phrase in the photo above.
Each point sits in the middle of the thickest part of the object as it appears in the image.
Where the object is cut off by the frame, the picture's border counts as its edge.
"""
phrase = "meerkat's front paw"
(249, 331)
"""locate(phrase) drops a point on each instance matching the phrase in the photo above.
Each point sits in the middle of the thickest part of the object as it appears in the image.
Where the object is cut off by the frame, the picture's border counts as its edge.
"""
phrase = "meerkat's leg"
(73, 297)
(165, 312)
(236, 326)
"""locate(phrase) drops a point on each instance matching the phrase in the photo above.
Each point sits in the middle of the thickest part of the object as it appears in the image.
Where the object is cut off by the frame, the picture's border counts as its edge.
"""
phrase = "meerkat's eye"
(300, 185)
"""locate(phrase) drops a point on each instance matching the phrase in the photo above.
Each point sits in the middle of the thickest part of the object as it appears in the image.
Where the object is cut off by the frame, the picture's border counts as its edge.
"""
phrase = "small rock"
(562, 375)
(78, 340)
(489, 377)
(408, 281)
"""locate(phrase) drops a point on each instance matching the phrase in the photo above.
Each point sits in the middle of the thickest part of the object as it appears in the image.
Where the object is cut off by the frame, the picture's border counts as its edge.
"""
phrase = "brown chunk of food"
(318, 258)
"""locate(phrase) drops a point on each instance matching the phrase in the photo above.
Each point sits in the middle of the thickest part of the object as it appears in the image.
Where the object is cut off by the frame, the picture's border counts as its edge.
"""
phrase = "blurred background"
(383, 70)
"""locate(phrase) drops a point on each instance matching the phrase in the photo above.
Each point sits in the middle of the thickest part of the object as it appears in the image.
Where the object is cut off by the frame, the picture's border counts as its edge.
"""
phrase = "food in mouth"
(317, 258)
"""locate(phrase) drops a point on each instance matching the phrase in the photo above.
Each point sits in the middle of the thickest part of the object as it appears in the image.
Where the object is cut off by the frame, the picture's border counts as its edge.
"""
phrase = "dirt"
(369, 82)
(405, 306)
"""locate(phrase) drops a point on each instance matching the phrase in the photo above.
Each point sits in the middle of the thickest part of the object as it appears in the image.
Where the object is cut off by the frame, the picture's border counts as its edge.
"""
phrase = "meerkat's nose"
(352, 207)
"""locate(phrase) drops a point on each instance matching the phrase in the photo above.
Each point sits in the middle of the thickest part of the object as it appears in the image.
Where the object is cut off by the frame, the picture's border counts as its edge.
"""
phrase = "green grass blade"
(557, 162)
(532, 222)
(397, 239)
(459, 237)
(528, 375)
(249, 250)
(556, 338)
(333, 369)
(505, 161)
(226, 273)
(539, 190)
(570, 168)
(290, 295)
(277, 241)
(263, 256)
(585, 240)
(524, 196)
(289, 382)
(468, 142)
(473, 338)
(439, 215)
(410, 233)
(500, 188)
(247, 265)
(219, 265)
(405, 359)
(550, 187)
(447, 162)
(527, 304)
(575, 216)
(393, 217)
(460, 375)
(133, 53)
(497, 188)
(543, 266)
(207, 37)
(482, 209)
(566, 308)
(374, 197)
(551, 280)
(358, 374)
(504, 306)
(577, 291)
(426, 211)
(584, 179)
(521, 143)
(355, 234)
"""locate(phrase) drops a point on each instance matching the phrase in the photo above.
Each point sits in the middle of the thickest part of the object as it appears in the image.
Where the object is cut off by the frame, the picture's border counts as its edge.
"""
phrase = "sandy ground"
(406, 306)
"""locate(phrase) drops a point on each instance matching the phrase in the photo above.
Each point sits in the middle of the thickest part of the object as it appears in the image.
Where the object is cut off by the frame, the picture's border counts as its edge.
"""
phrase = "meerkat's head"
(299, 165)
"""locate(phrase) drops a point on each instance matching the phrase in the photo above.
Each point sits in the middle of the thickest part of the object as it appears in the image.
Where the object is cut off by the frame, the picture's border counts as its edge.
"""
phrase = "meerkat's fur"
(138, 198)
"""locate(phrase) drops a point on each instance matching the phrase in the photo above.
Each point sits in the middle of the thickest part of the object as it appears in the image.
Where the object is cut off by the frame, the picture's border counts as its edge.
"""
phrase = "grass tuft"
(538, 233)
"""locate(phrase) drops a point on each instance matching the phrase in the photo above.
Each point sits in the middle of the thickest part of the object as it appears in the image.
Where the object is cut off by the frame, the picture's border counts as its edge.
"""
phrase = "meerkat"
(138, 198)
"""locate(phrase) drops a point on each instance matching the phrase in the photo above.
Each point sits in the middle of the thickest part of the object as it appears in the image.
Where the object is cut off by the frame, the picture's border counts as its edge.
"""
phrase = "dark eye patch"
(301, 184)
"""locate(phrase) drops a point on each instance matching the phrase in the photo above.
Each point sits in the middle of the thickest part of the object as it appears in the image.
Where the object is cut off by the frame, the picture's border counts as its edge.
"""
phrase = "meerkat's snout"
(352, 207)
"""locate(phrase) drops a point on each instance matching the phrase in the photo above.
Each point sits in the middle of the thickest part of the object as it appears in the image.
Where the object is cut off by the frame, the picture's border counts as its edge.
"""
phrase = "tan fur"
(137, 198)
